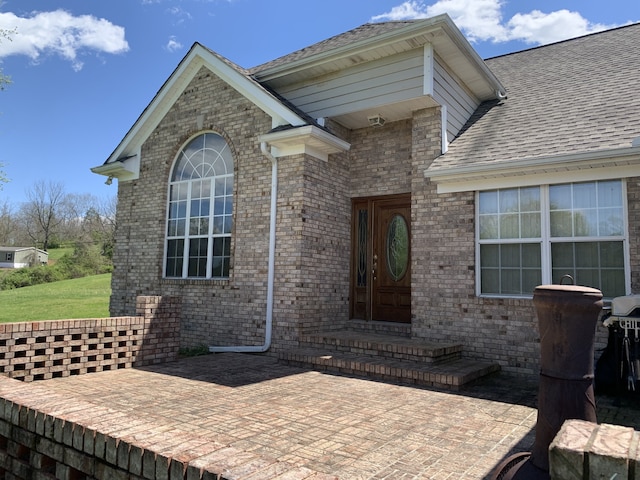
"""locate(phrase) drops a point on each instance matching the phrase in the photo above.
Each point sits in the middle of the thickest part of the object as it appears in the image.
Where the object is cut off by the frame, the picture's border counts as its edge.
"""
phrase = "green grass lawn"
(86, 297)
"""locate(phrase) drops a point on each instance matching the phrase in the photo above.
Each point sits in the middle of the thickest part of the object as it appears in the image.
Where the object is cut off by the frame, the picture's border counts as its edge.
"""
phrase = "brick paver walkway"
(348, 427)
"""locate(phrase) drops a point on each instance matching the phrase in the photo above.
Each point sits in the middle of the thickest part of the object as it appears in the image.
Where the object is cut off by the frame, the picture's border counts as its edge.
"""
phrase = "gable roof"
(337, 42)
(572, 105)
(261, 84)
(376, 69)
(372, 41)
(123, 163)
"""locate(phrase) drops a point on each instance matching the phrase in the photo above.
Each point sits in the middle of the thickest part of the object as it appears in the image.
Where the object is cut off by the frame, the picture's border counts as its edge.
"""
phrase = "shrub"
(25, 277)
(196, 351)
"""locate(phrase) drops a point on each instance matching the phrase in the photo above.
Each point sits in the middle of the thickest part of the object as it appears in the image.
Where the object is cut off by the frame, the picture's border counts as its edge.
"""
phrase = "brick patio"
(256, 419)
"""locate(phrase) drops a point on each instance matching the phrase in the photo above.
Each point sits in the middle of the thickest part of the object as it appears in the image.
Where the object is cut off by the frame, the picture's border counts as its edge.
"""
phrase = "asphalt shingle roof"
(368, 30)
(574, 96)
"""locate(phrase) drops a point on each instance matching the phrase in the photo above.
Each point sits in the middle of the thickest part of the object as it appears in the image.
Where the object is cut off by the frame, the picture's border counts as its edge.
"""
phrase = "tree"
(8, 227)
(73, 210)
(43, 213)
(100, 223)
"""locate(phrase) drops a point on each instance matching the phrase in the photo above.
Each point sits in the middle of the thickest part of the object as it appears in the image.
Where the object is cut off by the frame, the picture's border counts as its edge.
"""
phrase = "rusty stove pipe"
(567, 317)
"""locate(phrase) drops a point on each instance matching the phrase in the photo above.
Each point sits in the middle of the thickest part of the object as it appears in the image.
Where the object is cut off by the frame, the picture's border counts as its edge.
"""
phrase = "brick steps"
(395, 359)
(385, 346)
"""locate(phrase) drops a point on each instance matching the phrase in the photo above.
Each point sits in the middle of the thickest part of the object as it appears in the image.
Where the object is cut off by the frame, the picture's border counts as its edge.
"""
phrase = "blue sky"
(84, 70)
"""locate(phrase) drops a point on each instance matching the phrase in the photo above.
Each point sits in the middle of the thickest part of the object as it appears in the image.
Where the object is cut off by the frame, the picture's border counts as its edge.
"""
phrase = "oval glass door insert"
(397, 247)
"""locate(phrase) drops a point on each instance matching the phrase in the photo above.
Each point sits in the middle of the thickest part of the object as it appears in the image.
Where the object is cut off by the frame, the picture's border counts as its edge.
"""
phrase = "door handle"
(374, 266)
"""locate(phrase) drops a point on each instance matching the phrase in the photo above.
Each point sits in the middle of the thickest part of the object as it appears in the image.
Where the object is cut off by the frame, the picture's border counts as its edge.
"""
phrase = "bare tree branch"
(43, 211)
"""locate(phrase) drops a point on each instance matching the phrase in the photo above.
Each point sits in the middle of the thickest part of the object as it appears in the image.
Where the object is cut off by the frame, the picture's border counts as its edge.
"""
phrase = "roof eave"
(469, 52)
(124, 169)
(583, 166)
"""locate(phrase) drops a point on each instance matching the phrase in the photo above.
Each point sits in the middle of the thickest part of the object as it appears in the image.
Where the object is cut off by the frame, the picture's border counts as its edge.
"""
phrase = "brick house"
(388, 181)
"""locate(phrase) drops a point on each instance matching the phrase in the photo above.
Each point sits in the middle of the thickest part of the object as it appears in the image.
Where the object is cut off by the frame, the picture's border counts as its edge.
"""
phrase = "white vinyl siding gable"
(381, 82)
(391, 80)
(459, 102)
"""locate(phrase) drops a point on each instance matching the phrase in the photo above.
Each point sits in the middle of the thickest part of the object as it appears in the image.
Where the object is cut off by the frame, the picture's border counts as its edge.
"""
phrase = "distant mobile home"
(18, 257)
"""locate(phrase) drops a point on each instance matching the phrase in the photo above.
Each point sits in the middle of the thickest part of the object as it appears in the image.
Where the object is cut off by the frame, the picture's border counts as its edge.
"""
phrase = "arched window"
(199, 219)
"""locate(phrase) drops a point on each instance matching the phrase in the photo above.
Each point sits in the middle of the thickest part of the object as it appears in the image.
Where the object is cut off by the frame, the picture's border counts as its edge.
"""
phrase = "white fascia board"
(169, 93)
(159, 106)
(251, 90)
(579, 167)
(408, 32)
(456, 36)
(309, 139)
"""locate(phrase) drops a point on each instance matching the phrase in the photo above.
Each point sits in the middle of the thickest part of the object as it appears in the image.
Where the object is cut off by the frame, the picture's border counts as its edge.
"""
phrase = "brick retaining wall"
(37, 444)
(59, 348)
(43, 436)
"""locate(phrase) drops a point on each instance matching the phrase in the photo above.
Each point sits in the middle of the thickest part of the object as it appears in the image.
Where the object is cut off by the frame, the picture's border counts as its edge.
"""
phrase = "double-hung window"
(200, 210)
(530, 236)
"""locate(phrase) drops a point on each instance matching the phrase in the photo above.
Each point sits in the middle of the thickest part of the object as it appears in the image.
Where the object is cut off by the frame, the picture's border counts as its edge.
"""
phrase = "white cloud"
(59, 32)
(540, 28)
(173, 44)
(406, 11)
(481, 20)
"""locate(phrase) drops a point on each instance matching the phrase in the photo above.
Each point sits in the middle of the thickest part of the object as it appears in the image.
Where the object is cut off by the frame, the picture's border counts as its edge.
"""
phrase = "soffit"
(391, 113)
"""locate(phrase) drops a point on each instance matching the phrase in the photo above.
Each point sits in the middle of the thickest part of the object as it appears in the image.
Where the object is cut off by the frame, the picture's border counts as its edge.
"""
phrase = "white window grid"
(545, 241)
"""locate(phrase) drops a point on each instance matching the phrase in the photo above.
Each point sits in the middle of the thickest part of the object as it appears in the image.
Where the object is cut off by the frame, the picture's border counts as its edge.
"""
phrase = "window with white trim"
(200, 210)
(530, 236)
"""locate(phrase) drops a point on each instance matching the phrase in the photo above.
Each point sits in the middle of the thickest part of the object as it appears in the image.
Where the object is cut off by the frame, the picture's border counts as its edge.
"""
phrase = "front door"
(381, 266)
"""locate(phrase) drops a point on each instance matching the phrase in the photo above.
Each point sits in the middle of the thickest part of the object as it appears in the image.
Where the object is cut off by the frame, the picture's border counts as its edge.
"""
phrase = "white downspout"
(271, 268)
